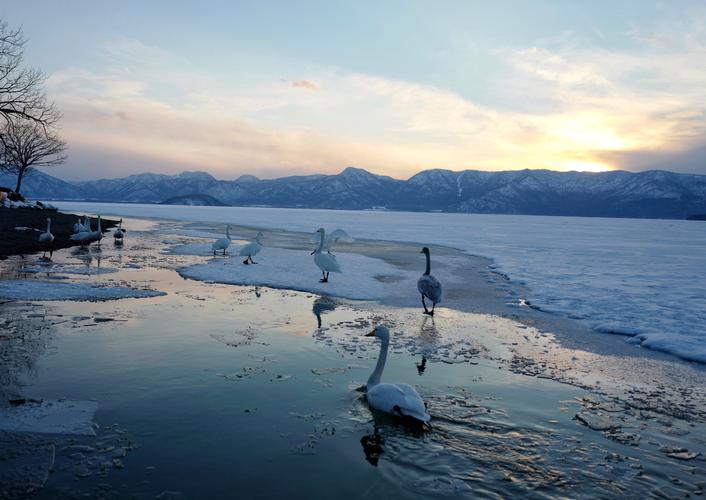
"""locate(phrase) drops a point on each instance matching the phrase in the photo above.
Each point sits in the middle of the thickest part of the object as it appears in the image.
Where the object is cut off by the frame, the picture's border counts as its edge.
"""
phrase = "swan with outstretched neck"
(401, 400)
(325, 261)
(47, 239)
(429, 286)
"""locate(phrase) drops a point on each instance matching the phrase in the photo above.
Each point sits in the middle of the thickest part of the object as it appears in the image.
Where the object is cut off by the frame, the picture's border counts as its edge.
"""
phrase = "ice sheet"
(641, 276)
(53, 290)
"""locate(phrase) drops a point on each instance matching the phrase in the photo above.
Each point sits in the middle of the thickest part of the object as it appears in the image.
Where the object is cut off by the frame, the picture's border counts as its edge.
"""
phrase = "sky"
(286, 88)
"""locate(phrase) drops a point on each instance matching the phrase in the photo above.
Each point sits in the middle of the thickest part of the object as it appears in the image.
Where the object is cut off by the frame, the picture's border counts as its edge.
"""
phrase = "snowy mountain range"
(651, 194)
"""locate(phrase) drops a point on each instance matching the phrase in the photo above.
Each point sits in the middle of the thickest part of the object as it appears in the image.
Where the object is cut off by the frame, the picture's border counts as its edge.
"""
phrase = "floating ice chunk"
(295, 270)
(50, 417)
(52, 290)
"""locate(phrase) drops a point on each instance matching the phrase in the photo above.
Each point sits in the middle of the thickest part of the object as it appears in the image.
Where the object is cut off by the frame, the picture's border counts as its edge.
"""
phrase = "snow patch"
(295, 270)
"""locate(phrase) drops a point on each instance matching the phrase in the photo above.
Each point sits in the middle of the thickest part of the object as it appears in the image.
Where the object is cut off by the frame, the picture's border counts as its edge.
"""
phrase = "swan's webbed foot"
(323, 280)
(429, 313)
(246, 262)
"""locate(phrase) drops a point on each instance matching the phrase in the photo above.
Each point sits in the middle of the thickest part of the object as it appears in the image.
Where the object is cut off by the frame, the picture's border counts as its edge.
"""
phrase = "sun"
(585, 166)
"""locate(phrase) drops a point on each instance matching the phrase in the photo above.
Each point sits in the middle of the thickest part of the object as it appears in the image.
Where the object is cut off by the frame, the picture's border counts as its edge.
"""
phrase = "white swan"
(402, 400)
(119, 233)
(222, 243)
(97, 235)
(331, 240)
(325, 261)
(81, 225)
(47, 239)
(429, 286)
(252, 248)
(84, 236)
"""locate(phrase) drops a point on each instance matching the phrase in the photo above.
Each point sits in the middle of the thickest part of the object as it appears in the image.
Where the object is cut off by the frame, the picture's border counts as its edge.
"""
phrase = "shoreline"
(35, 220)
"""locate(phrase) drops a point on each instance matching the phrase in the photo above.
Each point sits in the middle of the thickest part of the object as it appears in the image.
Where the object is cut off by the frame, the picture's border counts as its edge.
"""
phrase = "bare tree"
(22, 95)
(28, 145)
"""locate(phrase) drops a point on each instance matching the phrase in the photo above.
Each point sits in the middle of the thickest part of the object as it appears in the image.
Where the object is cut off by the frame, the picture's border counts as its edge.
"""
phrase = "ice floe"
(50, 417)
(56, 290)
(295, 270)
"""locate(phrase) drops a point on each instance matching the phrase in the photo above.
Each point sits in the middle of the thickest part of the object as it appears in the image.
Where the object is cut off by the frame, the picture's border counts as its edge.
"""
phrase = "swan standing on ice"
(85, 236)
(333, 238)
(325, 261)
(119, 233)
(429, 286)
(47, 239)
(222, 243)
(401, 400)
(251, 249)
(97, 235)
(81, 226)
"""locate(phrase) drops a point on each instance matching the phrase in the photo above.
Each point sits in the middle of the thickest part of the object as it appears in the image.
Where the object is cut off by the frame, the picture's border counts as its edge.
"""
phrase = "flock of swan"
(401, 400)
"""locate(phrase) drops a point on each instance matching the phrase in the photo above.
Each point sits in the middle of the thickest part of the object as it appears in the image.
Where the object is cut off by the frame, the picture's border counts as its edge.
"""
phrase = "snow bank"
(53, 290)
(50, 417)
(295, 270)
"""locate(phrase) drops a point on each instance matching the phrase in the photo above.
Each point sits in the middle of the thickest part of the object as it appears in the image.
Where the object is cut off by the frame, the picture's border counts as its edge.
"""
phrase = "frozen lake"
(208, 388)
(637, 277)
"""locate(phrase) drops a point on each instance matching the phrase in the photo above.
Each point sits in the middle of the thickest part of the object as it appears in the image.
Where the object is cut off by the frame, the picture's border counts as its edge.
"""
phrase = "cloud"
(563, 105)
(305, 84)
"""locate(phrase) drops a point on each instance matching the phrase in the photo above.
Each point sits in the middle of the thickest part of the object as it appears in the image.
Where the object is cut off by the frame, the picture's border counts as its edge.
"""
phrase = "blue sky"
(276, 88)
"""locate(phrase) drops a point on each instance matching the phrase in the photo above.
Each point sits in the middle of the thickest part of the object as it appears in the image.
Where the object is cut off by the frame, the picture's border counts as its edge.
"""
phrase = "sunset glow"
(569, 88)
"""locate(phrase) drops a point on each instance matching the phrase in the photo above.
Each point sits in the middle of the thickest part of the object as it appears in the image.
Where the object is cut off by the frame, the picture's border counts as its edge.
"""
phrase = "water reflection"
(25, 335)
(372, 446)
(322, 305)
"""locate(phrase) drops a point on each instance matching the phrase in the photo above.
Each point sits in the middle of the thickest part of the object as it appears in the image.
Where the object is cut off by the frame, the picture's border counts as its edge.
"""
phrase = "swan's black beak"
(371, 334)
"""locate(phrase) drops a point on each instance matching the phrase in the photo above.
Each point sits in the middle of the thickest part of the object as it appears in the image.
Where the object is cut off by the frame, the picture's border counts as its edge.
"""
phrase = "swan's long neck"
(228, 232)
(99, 224)
(258, 239)
(48, 225)
(321, 243)
(380, 366)
(428, 271)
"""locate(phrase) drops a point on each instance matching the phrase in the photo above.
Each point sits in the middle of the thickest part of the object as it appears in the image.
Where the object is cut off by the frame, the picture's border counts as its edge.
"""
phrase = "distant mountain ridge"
(651, 194)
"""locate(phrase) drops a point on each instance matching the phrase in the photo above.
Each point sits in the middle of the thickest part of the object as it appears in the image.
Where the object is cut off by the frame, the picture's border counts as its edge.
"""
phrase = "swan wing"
(82, 236)
(250, 249)
(327, 262)
(336, 236)
(430, 287)
(390, 397)
(220, 244)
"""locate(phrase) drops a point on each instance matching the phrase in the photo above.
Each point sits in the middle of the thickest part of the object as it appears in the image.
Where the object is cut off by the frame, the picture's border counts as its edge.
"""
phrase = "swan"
(119, 233)
(333, 238)
(84, 236)
(402, 400)
(47, 239)
(97, 235)
(252, 248)
(325, 261)
(429, 286)
(222, 243)
(82, 225)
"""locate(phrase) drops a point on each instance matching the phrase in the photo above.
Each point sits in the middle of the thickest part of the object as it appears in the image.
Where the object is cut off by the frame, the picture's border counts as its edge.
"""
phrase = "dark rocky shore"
(13, 242)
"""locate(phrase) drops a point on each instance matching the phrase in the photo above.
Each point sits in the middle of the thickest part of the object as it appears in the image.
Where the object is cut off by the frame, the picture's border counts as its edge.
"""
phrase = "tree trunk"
(20, 174)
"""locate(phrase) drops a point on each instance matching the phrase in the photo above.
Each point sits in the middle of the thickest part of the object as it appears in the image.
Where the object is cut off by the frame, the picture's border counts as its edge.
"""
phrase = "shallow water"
(218, 389)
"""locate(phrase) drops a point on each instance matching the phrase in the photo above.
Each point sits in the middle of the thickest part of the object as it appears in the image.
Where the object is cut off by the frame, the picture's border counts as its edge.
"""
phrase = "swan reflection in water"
(322, 305)
(87, 255)
(428, 337)
(372, 446)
